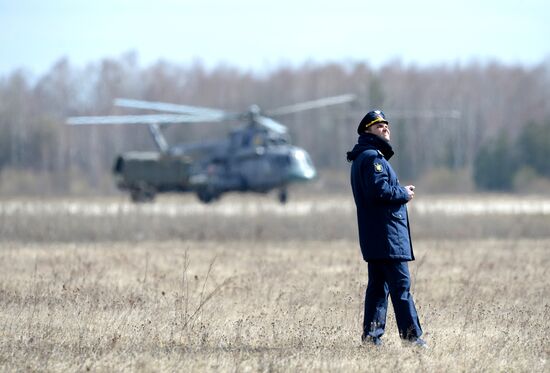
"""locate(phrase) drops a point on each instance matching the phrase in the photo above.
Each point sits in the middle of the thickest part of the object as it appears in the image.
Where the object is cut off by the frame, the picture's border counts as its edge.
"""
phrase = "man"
(384, 234)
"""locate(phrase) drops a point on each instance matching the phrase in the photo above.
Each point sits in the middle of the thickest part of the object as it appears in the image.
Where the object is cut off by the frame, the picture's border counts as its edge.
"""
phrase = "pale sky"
(260, 35)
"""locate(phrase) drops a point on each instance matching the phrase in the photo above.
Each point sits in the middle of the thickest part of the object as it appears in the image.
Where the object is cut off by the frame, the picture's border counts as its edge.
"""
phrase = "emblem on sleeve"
(378, 167)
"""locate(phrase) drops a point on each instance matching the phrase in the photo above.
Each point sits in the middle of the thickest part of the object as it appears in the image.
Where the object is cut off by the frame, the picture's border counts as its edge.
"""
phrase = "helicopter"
(256, 157)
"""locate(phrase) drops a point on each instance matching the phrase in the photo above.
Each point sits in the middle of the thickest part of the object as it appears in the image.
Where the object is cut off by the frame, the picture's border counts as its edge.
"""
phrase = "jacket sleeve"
(377, 183)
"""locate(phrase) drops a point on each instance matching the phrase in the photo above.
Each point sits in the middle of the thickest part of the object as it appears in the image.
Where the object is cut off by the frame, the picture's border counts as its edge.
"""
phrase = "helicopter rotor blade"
(140, 119)
(271, 124)
(327, 101)
(172, 108)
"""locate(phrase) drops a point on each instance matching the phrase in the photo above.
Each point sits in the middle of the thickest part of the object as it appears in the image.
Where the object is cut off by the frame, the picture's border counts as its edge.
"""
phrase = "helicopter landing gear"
(142, 194)
(283, 196)
(206, 195)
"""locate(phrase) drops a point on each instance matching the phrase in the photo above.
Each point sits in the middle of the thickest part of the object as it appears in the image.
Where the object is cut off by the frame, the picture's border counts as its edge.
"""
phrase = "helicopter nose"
(301, 168)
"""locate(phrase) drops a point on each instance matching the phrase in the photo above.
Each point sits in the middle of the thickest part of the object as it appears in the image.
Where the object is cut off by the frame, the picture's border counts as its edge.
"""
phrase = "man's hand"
(410, 191)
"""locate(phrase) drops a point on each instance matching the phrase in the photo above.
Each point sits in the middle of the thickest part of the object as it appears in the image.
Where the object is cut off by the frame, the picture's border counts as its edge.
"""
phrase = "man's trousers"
(388, 277)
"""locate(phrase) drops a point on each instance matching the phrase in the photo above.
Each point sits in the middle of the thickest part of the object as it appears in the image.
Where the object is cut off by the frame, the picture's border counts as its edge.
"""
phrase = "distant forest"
(500, 141)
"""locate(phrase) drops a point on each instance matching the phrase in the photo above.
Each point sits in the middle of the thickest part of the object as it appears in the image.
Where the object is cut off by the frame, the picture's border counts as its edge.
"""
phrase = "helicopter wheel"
(283, 196)
(141, 195)
(206, 196)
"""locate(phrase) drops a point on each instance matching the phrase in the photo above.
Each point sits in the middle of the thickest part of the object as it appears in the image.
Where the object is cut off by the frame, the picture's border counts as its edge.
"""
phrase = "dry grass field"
(263, 291)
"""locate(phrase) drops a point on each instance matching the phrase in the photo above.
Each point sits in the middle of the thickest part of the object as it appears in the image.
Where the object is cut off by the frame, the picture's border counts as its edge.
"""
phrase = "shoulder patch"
(377, 167)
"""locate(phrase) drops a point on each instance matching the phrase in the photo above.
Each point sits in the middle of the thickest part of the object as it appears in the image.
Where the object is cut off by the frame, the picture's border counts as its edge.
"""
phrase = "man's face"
(381, 130)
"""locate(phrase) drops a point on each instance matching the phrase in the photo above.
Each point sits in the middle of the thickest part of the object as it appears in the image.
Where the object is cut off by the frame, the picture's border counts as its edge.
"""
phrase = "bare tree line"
(491, 98)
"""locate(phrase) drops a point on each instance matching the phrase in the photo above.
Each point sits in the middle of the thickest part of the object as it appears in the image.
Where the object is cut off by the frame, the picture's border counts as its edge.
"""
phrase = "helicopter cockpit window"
(275, 139)
(302, 157)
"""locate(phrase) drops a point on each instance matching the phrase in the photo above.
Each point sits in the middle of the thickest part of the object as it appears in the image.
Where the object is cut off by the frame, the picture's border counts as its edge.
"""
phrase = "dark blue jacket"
(381, 202)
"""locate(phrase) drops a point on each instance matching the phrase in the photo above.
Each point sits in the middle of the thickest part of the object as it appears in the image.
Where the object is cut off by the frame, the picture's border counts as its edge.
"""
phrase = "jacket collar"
(370, 141)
